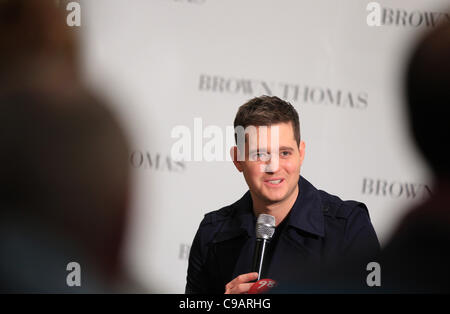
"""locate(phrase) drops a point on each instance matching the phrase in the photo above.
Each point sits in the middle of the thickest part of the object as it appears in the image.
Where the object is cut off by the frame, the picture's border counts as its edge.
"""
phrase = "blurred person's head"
(428, 97)
(64, 165)
(272, 173)
(63, 155)
(37, 47)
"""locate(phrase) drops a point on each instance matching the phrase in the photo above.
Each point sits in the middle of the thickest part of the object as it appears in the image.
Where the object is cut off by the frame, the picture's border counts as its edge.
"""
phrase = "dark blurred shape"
(37, 48)
(64, 175)
(428, 98)
(417, 257)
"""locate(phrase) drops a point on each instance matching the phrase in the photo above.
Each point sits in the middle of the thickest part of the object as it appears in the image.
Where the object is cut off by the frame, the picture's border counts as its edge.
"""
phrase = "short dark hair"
(267, 110)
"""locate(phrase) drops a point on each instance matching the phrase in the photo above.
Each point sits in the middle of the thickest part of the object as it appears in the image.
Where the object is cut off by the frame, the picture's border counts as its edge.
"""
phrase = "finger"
(246, 277)
(243, 288)
(239, 289)
(228, 288)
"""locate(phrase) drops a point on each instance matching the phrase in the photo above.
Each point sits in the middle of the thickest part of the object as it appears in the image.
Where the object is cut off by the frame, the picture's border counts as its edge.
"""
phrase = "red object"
(262, 286)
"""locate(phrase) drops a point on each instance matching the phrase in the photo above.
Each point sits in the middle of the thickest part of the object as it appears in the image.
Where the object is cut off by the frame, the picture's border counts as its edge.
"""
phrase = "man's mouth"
(275, 181)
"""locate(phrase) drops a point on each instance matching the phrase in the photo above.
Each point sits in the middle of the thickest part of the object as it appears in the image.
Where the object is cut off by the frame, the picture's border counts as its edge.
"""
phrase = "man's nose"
(272, 165)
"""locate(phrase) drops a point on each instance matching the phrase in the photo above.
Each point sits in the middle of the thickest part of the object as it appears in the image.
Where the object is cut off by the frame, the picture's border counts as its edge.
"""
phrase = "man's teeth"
(275, 181)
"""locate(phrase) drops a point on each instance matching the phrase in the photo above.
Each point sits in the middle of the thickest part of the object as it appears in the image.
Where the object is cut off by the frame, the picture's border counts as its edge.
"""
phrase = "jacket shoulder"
(336, 207)
(227, 212)
(218, 216)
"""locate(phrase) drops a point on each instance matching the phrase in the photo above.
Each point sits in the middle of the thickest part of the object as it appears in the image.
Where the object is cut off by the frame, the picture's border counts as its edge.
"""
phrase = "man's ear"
(301, 149)
(234, 151)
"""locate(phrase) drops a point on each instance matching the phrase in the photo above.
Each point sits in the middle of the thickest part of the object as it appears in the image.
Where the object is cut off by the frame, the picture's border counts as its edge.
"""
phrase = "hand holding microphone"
(241, 284)
(265, 228)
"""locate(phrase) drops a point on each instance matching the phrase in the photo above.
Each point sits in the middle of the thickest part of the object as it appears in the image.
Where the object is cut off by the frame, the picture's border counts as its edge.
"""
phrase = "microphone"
(265, 228)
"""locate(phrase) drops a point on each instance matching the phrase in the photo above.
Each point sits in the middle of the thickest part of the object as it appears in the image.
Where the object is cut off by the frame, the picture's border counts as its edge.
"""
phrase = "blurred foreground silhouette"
(64, 175)
(417, 257)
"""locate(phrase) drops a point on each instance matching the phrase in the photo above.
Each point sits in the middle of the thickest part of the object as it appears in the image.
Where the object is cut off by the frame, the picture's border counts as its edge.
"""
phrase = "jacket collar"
(306, 214)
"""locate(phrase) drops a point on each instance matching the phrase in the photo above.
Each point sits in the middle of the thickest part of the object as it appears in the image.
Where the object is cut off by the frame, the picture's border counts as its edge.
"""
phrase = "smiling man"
(314, 229)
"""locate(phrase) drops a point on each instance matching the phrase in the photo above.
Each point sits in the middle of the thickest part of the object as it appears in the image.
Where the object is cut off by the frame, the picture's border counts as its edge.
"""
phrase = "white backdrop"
(163, 63)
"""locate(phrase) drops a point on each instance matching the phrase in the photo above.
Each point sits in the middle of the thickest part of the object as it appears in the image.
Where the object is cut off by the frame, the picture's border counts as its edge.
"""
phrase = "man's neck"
(279, 209)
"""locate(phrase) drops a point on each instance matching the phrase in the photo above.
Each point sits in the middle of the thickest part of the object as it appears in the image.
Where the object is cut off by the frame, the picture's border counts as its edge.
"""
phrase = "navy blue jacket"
(320, 229)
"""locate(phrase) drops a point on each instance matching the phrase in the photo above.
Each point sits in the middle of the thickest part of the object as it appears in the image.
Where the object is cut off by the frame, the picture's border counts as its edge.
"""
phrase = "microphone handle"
(258, 257)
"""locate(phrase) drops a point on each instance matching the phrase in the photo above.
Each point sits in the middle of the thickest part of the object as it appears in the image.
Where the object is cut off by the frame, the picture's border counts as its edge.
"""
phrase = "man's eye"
(260, 156)
(285, 153)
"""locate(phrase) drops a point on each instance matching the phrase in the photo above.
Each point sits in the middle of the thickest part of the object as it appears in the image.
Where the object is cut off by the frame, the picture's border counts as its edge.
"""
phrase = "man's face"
(270, 170)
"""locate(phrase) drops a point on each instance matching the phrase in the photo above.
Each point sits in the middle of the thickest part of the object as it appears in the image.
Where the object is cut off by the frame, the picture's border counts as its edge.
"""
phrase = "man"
(312, 227)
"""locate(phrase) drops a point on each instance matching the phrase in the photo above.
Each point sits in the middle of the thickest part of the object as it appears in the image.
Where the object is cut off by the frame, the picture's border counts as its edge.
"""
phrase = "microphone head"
(265, 226)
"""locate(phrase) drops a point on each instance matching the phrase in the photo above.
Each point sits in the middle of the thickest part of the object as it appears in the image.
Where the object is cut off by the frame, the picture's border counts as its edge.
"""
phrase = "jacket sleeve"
(198, 280)
(360, 239)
